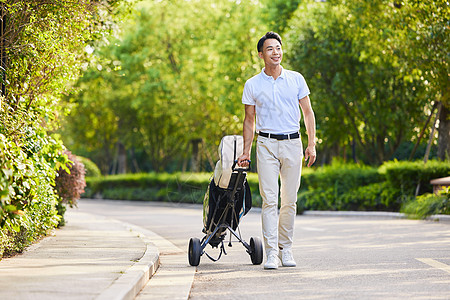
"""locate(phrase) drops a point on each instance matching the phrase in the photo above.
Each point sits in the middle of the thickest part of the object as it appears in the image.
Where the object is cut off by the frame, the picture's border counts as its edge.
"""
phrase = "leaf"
(10, 208)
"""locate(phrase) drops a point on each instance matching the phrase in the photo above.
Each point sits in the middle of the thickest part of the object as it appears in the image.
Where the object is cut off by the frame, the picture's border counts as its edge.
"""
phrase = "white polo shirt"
(276, 101)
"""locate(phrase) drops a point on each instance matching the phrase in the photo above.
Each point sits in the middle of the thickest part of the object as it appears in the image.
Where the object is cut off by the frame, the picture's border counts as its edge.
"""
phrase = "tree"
(419, 38)
(362, 90)
(94, 124)
(170, 87)
(426, 24)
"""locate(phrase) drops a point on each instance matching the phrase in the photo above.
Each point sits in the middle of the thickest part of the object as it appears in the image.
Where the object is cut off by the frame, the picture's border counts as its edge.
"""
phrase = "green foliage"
(158, 85)
(376, 196)
(363, 89)
(278, 13)
(177, 187)
(405, 176)
(142, 180)
(190, 187)
(375, 68)
(426, 26)
(343, 176)
(353, 187)
(91, 168)
(336, 187)
(429, 204)
(339, 186)
(43, 50)
(28, 200)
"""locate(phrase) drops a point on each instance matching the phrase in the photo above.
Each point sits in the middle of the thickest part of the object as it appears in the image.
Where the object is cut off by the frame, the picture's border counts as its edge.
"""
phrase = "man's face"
(271, 52)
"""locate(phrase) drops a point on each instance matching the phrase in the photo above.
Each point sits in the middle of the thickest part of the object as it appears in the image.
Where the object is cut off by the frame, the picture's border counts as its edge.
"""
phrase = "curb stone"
(134, 279)
(372, 214)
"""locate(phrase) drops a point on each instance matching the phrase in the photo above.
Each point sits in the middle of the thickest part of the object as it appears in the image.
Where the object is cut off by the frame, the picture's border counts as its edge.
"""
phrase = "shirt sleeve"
(303, 90)
(247, 95)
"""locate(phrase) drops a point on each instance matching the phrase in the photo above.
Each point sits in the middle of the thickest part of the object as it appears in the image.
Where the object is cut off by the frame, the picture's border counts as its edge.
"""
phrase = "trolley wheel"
(195, 249)
(256, 248)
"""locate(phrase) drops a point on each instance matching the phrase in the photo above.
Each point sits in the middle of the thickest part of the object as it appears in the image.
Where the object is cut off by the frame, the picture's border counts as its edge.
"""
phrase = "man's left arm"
(310, 123)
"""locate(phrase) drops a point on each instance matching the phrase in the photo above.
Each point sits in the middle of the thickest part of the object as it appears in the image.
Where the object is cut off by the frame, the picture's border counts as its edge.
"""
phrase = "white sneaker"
(287, 258)
(272, 262)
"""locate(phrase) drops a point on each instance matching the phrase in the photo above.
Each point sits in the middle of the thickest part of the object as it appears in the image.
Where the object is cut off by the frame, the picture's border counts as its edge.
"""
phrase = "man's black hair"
(268, 35)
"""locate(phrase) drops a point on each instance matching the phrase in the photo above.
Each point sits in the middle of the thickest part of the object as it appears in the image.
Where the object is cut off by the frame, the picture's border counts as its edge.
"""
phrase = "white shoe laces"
(272, 261)
(287, 256)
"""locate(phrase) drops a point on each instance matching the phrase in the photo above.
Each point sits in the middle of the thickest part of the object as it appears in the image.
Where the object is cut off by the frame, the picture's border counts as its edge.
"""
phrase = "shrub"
(144, 180)
(70, 182)
(337, 187)
(91, 168)
(353, 187)
(403, 177)
(28, 199)
(69, 185)
(342, 176)
(177, 187)
(375, 196)
(429, 204)
(316, 199)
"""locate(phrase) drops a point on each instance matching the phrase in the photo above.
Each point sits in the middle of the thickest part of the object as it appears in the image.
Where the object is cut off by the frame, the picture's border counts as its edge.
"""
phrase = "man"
(275, 97)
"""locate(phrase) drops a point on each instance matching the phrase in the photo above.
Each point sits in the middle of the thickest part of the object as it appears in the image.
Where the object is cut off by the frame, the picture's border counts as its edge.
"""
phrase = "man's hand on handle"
(244, 161)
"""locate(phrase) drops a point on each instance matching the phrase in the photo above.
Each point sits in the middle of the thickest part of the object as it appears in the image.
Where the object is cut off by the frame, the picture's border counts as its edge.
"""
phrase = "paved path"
(92, 257)
(338, 257)
(109, 249)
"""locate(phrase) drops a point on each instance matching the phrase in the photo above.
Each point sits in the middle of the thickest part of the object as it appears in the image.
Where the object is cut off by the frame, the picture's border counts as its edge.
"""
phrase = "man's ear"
(260, 55)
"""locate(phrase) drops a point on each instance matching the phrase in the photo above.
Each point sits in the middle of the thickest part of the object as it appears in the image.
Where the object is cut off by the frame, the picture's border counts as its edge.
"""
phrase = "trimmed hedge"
(179, 182)
(339, 186)
(91, 168)
(404, 177)
(177, 187)
(353, 187)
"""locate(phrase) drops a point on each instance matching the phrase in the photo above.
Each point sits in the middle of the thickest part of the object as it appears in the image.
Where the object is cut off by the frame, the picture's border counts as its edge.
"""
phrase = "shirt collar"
(282, 75)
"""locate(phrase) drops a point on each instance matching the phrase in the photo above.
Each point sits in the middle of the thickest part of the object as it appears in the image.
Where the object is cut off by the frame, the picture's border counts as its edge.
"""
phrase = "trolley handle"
(234, 168)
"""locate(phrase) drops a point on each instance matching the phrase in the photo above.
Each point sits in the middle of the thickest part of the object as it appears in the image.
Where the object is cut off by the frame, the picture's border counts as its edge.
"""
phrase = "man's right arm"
(248, 133)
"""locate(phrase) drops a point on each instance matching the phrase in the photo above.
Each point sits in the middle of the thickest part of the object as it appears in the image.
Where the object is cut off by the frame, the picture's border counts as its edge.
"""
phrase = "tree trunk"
(195, 158)
(208, 155)
(355, 160)
(430, 141)
(134, 161)
(423, 131)
(443, 151)
(122, 159)
(3, 58)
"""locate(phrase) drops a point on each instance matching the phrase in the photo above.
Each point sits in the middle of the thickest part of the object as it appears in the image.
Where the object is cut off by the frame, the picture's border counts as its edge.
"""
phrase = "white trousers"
(278, 158)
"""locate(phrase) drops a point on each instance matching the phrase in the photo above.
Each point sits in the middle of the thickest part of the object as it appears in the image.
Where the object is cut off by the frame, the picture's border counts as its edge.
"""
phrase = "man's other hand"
(310, 155)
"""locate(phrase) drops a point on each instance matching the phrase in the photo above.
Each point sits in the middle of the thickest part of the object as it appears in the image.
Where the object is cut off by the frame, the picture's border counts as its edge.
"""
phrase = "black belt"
(295, 135)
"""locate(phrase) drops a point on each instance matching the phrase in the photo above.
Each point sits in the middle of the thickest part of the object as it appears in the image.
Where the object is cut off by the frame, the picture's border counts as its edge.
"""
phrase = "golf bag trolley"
(227, 200)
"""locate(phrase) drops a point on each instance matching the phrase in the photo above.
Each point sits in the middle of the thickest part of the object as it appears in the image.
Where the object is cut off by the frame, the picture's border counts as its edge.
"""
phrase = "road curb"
(134, 279)
(372, 214)
(175, 278)
(439, 218)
